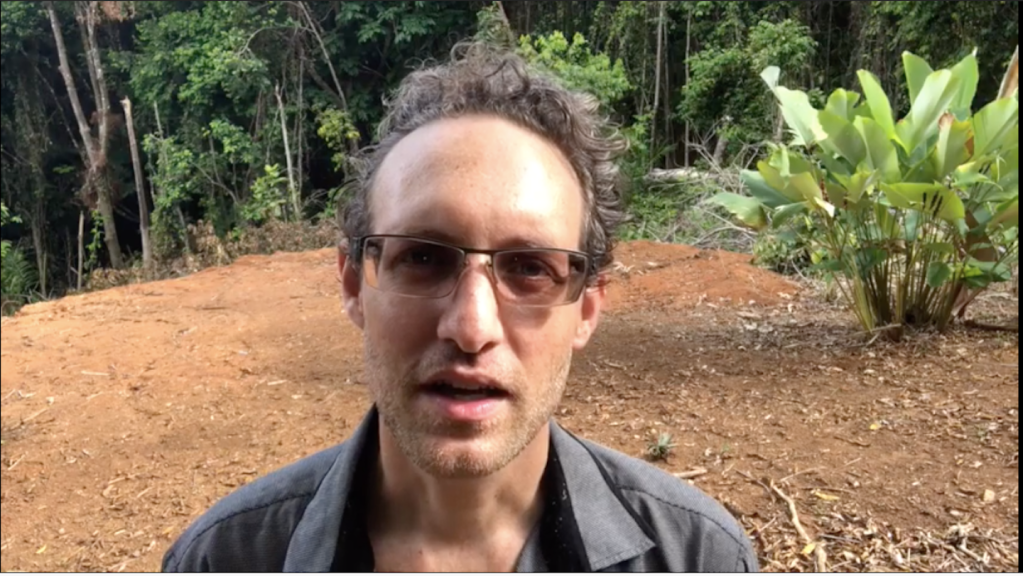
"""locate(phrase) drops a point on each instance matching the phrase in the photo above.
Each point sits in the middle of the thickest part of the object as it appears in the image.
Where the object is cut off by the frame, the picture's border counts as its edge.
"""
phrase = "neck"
(453, 511)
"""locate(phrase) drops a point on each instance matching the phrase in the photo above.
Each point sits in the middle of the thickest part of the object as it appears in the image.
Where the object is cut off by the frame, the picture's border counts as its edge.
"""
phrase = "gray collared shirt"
(624, 515)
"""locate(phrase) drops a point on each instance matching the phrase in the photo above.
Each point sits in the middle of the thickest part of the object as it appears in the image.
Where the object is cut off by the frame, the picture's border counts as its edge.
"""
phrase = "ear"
(592, 304)
(351, 287)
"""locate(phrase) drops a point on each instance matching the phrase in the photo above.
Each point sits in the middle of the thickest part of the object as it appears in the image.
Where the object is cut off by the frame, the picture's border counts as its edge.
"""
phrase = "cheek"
(396, 328)
(545, 341)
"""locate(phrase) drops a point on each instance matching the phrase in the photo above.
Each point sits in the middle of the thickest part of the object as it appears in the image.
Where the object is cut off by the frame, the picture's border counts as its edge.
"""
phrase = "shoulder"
(692, 530)
(249, 530)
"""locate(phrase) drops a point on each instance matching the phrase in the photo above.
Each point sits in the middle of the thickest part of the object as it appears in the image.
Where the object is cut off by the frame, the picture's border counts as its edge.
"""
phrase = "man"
(477, 247)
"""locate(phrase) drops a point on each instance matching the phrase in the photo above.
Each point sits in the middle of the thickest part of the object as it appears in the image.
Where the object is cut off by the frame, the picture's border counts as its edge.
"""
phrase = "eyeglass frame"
(359, 258)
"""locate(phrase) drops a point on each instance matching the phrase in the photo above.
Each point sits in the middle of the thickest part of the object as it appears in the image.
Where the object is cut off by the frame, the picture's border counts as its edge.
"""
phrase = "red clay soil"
(127, 413)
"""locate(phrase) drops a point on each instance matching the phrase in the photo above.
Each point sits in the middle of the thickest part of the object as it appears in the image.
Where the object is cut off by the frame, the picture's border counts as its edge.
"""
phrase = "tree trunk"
(106, 212)
(294, 196)
(81, 247)
(300, 124)
(140, 187)
(39, 245)
(689, 52)
(95, 179)
(353, 145)
(508, 30)
(719, 151)
(69, 82)
(659, 63)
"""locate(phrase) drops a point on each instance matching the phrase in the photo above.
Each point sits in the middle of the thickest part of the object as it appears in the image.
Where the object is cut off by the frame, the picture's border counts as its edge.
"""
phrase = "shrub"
(918, 216)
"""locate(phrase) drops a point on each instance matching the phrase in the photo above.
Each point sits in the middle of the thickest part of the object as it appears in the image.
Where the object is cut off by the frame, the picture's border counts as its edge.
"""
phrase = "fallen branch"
(853, 442)
(692, 474)
(797, 474)
(18, 461)
(973, 324)
(34, 416)
(818, 547)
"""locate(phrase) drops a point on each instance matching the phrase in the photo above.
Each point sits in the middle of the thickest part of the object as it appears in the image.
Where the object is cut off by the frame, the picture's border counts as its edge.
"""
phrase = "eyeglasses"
(420, 268)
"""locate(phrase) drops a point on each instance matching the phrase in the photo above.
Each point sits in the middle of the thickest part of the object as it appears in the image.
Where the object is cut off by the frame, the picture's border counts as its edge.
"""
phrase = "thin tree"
(293, 193)
(97, 184)
(689, 52)
(140, 187)
(659, 63)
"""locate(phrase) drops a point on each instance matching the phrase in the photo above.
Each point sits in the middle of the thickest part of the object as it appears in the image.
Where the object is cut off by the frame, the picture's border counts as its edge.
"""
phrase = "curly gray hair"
(481, 79)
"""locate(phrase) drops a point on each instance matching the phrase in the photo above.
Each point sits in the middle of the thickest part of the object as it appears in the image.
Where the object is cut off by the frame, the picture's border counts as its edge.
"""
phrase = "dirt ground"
(127, 413)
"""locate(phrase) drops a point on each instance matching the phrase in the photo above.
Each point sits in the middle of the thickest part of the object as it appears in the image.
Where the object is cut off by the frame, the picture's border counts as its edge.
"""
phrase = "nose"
(471, 318)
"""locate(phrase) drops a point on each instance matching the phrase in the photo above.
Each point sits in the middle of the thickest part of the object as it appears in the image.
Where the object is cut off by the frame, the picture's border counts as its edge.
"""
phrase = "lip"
(467, 411)
(467, 380)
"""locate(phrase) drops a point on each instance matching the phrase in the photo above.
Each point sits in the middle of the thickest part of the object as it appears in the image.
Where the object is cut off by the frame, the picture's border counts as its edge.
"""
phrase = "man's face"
(486, 184)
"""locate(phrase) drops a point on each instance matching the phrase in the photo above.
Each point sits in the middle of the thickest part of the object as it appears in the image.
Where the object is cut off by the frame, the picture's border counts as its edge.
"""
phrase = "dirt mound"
(651, 275)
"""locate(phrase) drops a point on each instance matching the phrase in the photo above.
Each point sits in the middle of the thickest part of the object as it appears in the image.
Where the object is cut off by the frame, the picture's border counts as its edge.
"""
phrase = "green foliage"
(654, 214)
(942, 33)
(578, 67)
(18, 276)
(5, 217)
(197, 57)
(914, 214)
(661, 448)
(339, 132)
(269, 195)
(725, 95)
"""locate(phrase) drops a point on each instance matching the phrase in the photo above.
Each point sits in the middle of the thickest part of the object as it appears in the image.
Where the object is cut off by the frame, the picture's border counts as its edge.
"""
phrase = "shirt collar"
(602, 524)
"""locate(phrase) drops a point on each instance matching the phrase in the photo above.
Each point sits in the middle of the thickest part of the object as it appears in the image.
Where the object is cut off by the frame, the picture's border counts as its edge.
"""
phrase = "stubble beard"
(443, 449)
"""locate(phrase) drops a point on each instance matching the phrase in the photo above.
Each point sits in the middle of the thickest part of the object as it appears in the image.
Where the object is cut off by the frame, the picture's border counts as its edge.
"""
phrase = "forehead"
(482, 181)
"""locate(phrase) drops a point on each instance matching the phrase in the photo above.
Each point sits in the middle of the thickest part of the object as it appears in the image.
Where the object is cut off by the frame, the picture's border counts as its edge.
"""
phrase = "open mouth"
(464, 394)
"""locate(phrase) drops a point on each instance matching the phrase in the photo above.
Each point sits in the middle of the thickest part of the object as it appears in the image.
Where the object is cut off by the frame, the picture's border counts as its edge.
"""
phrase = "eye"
(528, 267)
(418, 256)
(421, 257)
(535, 267)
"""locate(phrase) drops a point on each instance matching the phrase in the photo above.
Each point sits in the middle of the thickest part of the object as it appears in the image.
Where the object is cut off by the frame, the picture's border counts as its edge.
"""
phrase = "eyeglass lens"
(425, 269)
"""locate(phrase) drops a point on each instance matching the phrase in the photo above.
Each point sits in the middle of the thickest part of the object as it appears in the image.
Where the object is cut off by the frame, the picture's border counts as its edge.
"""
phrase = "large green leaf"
(990, 272)
(1009, 185)
(880, 106)
(1009, 160)
(857, 185)
(938, 273)
(800, 116)
(772, 176)
(968, 73)
(806, 186)
(771, 76)
(931, 104)
(787, 213)
(994, 125)
(789, 163)
(881, 153)
(969, 175)
(928, 198)
(951, 150)
(1008, 215)
(843, 137)
(917, 71)
(842, 103)
(914, 221)
(837, 193)
(748, 210)
(762, 191)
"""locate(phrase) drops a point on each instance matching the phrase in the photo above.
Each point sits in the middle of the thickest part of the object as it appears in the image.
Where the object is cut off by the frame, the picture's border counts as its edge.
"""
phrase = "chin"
(460, 461)
(463, 458)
